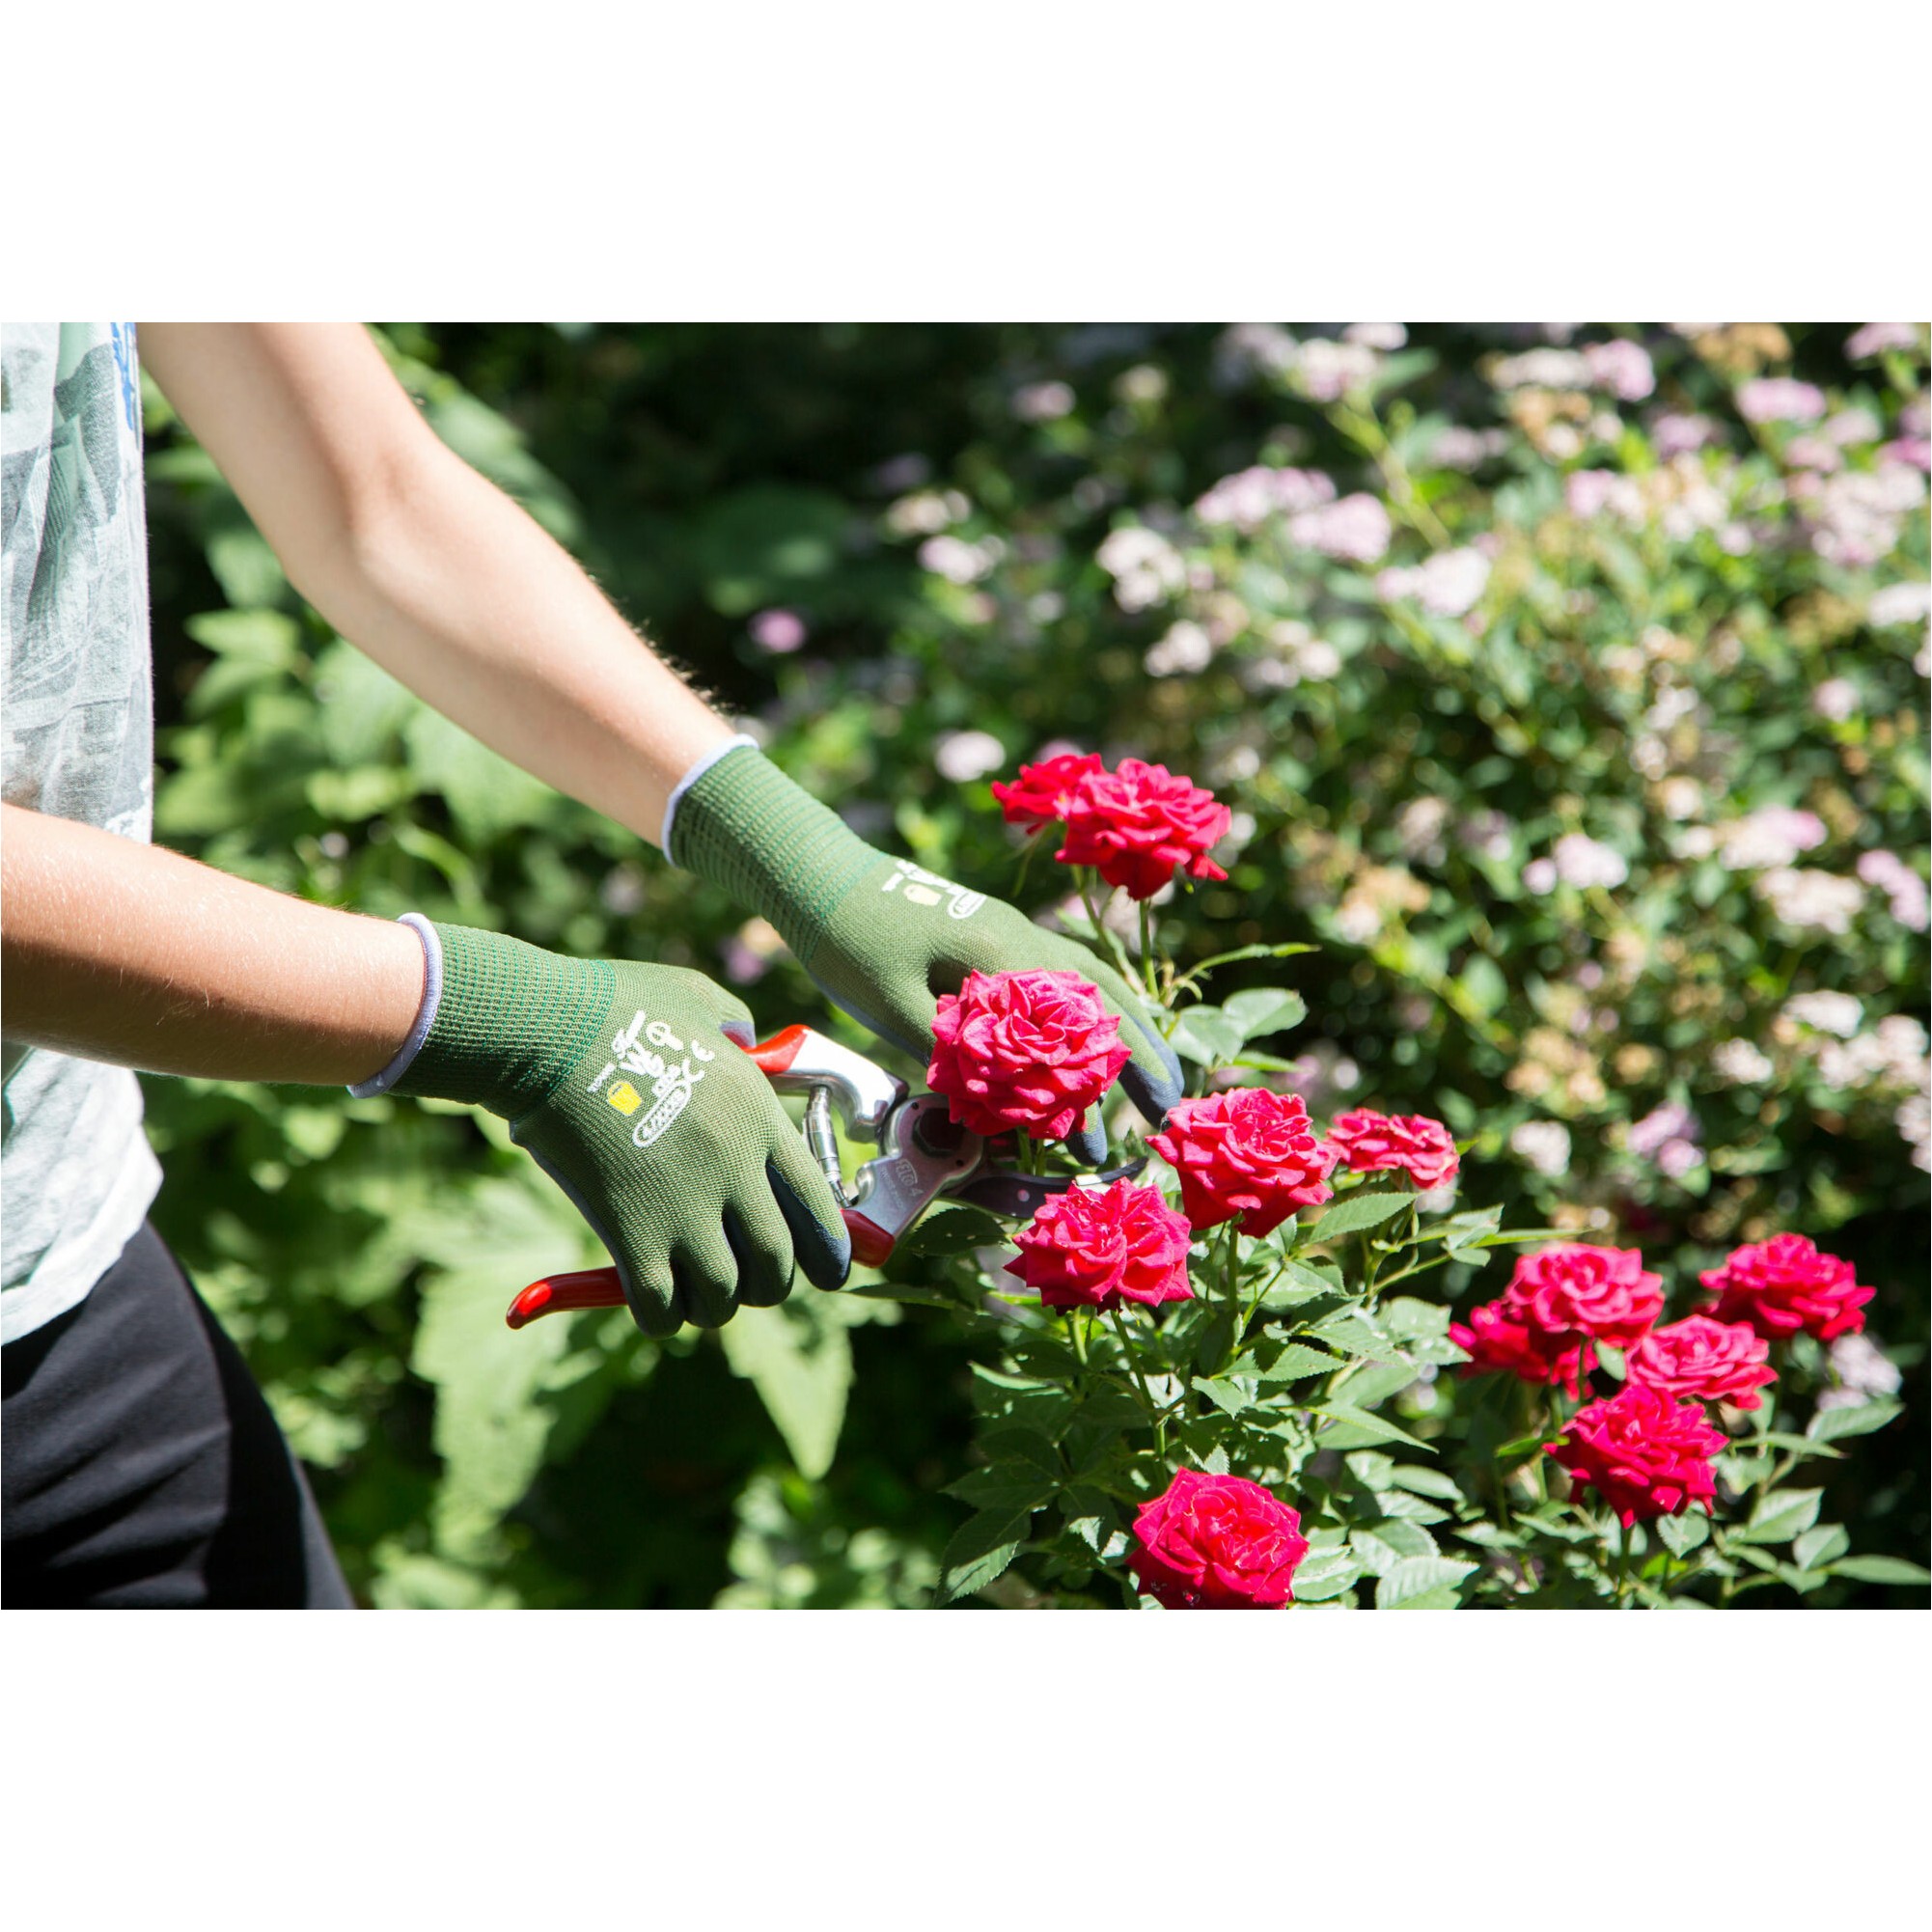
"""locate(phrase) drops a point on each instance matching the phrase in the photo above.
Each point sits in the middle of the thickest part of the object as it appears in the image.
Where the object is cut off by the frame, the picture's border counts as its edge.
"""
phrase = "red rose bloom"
(1094, 1249)
(1784, 1284)
(1494, 1342)
(1645, 1453)
(1139, 822)
(1025, 1050)
(1043, 792)
(1248, 1151)
(1570, 1291)
(1709, 1360)
(1367, 1141)
(1217, 1542)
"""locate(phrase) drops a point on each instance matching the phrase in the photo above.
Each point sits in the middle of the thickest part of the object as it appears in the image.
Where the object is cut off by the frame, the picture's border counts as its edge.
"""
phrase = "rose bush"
(1223, 1438)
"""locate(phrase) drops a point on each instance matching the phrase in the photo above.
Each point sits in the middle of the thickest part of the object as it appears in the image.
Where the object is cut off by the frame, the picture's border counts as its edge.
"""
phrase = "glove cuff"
(510, 1022)
(745, 827)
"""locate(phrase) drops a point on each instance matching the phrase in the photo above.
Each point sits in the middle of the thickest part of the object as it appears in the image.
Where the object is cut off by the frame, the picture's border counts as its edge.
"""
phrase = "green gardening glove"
(882, 938)
(625, 1083)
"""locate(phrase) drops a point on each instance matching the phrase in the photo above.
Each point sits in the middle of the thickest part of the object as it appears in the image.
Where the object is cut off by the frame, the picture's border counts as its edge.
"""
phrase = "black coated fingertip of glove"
(1088, 1142)
(1154, 1094)
(825, 1258)
(764, 1272)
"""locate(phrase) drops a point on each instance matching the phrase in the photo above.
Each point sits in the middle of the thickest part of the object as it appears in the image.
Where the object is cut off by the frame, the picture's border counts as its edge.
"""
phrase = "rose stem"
(1622, 1566)
(1103, 933)
(1134, 1371)
(1147, 952)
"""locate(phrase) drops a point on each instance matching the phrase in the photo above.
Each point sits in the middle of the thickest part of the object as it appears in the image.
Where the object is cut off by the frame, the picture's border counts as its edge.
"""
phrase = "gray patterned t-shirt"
(76, 715)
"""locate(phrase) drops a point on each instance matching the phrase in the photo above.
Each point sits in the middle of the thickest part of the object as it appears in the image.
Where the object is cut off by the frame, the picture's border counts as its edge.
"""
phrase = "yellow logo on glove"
(624, 1097)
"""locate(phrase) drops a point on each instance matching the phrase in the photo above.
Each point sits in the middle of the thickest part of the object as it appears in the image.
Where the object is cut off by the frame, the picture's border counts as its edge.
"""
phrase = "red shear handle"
(601, 1289)
(588, 1288)
(776, 1053)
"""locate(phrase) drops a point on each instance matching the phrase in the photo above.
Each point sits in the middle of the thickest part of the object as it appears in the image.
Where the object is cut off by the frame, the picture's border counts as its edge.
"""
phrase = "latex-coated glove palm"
(882, 937)
(624, 1082)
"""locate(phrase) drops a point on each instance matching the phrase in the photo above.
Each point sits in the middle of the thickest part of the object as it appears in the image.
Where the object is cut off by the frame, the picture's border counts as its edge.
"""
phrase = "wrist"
(508, 1021)
(744, 826)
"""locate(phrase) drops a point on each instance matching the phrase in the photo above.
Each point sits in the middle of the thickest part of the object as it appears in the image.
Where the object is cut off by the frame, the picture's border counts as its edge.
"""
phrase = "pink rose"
(1784, 1284)
(1496, 1343)
(1043, 792)
(1088, 1249)
(1708, 1361)
(1024, 1050)
(1367, 1141)
(1139, 822)
(1249, 1153)
(1569, 1291)
(1217, 1542)
(1645, 1454)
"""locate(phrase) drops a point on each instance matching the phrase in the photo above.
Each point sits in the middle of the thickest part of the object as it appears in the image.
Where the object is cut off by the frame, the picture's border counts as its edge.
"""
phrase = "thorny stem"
(1102, 931)
(1134, 1368)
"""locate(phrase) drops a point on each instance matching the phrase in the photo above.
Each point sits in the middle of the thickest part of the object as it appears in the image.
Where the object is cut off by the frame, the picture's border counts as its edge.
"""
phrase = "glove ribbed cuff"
(749, 830)
(511, 1021)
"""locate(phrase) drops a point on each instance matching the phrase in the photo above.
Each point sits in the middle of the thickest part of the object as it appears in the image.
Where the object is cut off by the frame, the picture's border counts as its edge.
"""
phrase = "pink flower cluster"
(1136, 825)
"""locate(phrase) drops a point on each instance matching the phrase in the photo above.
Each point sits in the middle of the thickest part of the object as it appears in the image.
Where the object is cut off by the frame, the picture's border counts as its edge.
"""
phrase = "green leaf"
(486, 794)
(1828, 1425)
(1879, 1569)
(1422, 1582)
(1350, 1332)
(1362, 1427)
(1263, 1010)
(1382, 1545)
(1436, 1482)
(1207, 1036)
(1240, 952)
(979, 1552)
(1227, 1396)
(1323, 1574)
(952, 1231)
(1001, 1488)
(496, 1387)
(798, 1358)
(1819, 1545)
(1681, 1534)
(1296, 1363)
(1356, 1212)
(1780, 1516)
(267, 636)
(1367, 1385)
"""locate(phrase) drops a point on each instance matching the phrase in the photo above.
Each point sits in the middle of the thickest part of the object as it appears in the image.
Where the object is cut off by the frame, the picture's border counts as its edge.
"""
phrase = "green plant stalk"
(1134, 1368)
(1147, 952)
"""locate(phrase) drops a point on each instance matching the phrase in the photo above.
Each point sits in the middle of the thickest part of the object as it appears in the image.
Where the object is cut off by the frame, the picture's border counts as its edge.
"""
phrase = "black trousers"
(140, 1467)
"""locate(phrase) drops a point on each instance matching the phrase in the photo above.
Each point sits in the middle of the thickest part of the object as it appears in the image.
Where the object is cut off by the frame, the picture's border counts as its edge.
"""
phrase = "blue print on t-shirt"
(123, 360)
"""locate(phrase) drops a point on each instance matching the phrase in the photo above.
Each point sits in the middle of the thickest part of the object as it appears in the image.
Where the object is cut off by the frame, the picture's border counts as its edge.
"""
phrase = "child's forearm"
(121, 951)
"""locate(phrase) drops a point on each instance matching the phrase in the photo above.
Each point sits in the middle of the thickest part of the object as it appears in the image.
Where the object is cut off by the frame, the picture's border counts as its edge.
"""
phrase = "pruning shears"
(923, 1155)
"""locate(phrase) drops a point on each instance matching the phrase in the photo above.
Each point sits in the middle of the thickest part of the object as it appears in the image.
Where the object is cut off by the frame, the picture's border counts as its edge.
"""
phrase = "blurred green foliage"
(930, 506)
